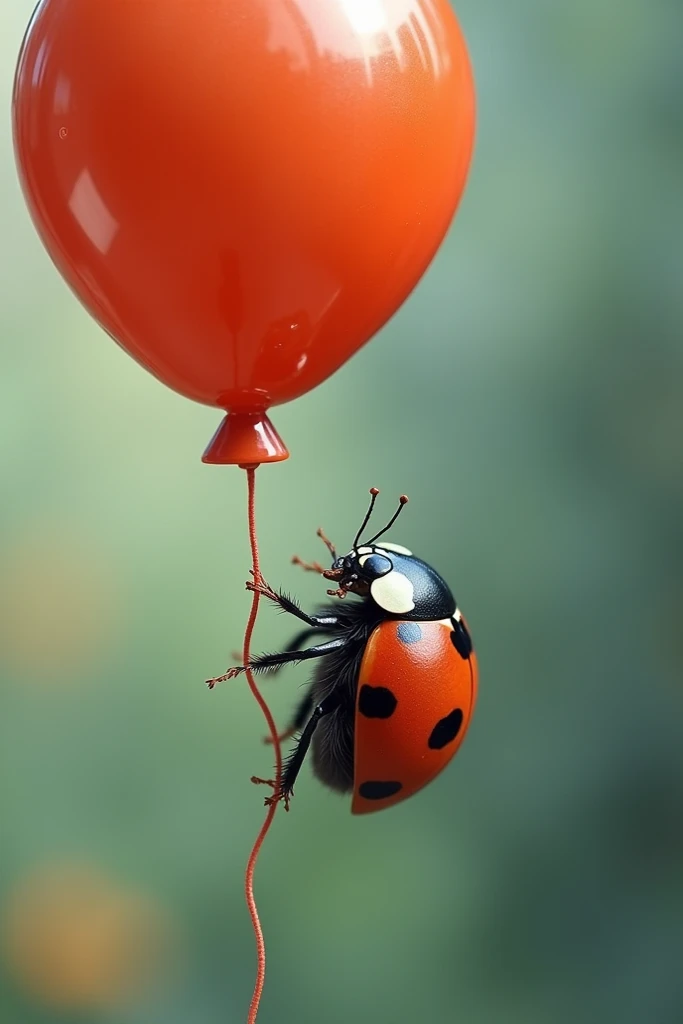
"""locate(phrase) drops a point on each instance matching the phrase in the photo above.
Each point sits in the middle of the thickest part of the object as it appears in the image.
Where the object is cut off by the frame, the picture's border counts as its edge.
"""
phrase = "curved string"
(253, 857)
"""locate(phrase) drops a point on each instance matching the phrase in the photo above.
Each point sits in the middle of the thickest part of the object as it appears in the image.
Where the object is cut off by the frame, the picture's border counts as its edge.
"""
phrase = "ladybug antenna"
(374, 491)
(403, 500)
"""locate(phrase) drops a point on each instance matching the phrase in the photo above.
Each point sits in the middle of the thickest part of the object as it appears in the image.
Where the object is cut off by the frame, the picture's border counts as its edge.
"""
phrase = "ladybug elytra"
(393, 694)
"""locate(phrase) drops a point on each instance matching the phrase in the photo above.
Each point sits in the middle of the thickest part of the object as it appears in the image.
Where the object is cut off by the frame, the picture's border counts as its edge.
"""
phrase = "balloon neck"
(245, 439)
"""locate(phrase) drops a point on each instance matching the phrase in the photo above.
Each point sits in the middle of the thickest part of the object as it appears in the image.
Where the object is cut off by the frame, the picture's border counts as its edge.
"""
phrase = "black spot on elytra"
(409, 632)
(461, 639)
(376, 702)
(445, 731)
(378, 790)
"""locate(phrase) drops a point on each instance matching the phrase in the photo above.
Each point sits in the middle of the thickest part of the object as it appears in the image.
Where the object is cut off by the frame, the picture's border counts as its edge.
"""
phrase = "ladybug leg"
(292, 765)
(327, 542)
(263, 662)
(296, 643)
(316, 566)
(289, 605)
(301, 714)
(270, 800)
(308, 566)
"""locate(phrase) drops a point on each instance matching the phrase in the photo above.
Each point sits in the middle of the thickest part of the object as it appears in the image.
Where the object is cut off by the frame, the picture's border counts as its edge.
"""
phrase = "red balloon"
(242, 192)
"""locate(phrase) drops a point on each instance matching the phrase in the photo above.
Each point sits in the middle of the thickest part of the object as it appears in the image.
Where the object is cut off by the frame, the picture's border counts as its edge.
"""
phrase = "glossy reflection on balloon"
(243, 193)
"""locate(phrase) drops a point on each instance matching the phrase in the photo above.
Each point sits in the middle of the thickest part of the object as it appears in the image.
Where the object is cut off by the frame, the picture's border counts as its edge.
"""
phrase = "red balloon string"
(253, 857)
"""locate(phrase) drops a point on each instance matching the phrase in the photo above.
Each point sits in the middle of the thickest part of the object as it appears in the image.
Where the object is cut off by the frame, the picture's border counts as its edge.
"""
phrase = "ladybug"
(394, 691)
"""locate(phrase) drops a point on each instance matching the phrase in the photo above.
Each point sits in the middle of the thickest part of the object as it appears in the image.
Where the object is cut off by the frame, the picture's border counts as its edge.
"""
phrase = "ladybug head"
(365, 564)
(356, 571)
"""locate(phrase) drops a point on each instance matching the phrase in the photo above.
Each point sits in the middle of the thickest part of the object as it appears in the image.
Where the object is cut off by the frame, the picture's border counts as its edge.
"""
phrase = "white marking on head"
(446, 622)
(394, 593)
(397, 548)
(456, 615)
(364, 551)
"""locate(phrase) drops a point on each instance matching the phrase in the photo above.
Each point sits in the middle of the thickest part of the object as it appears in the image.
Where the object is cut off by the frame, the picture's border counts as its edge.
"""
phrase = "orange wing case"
(435, 689)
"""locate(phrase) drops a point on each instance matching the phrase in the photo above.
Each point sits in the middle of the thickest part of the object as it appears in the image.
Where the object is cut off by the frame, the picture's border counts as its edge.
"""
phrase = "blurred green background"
(539, 370)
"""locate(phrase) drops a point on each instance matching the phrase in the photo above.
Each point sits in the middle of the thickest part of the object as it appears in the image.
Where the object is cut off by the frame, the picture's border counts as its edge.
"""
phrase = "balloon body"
(242, 192)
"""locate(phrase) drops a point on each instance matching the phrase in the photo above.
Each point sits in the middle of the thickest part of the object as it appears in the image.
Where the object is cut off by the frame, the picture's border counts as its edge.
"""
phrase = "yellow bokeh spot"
(77, 940)
(59, 605)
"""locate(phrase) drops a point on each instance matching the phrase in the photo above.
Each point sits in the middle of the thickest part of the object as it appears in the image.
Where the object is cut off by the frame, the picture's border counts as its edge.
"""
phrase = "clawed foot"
(271, 801)
(232, 673)
(259, 586)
